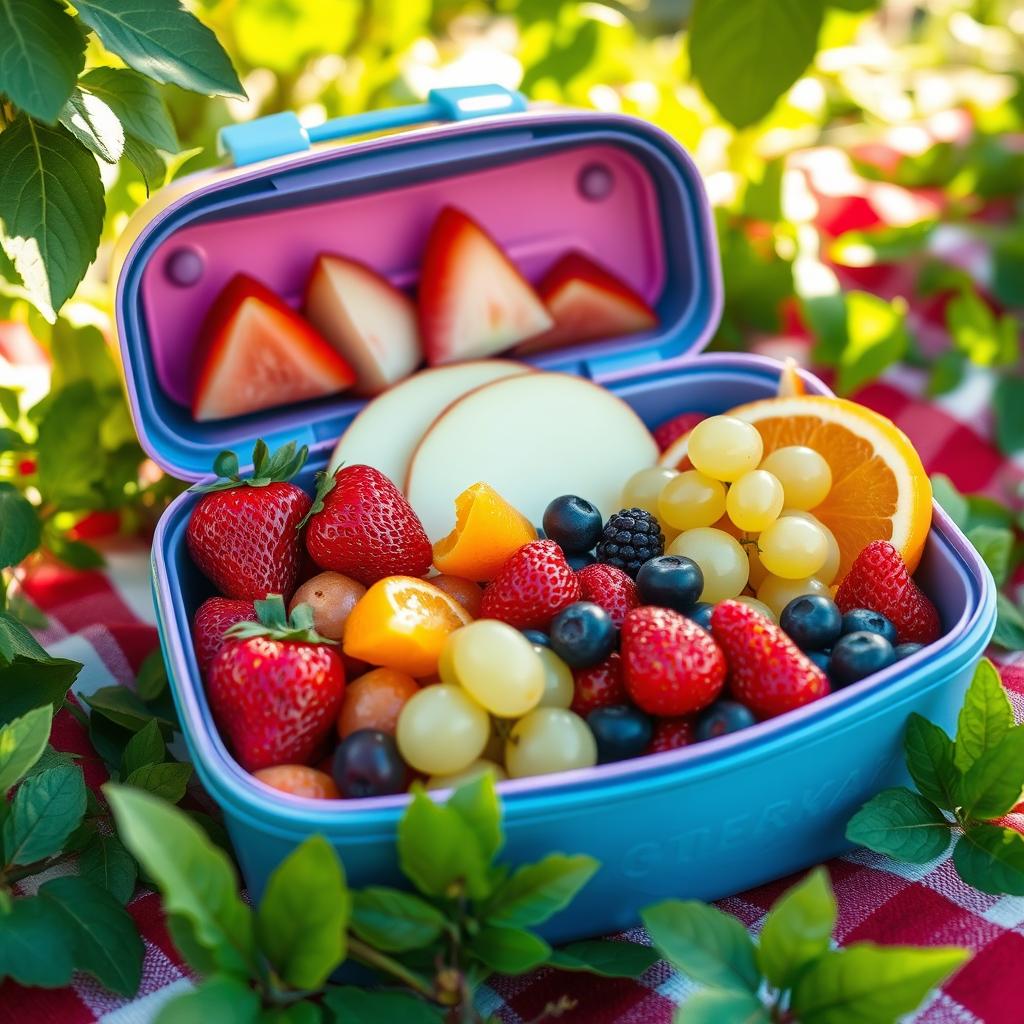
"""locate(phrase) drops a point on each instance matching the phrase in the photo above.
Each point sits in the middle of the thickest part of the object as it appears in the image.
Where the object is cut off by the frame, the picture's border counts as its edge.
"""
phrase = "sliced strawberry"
(587, 303)
(369, 321)
(473, 301)
(256, 352)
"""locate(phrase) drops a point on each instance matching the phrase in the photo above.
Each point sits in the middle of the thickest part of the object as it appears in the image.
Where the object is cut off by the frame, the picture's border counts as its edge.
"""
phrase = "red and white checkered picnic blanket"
(106, 620)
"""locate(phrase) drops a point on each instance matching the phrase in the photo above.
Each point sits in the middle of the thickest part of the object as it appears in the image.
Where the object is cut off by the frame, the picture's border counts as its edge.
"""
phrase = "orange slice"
(880, 490)
(402, 623)
(790, 381)
(488, 531)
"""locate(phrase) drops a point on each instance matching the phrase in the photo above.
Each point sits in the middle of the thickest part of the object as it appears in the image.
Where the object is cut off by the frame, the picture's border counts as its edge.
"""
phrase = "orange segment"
(402, 623)
(488, 531)
(880, 490)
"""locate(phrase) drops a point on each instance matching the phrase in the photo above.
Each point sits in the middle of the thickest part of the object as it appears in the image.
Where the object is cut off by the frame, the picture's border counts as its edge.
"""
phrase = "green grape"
(446, 661)
(754, 501)
(758, 606)
(793, 548)
(724, 447)
(777, 592)
(470, 772)
(441, 730)
(498, 667)
(559, 685)
(691, 499)
(642, 488)
(721, 558)
(805, 475)
(827, 573)
(549, 740)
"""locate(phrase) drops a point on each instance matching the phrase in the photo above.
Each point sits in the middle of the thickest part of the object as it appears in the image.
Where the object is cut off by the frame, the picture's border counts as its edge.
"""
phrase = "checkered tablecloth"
(106, 620)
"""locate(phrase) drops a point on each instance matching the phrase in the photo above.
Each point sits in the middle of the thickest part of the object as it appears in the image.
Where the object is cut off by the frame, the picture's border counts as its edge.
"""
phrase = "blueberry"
(574, 523)
(701, 614)
(367, 763)
(670, 581)
(723, 716)
(536, 636)
(906, 650)
(579, 561)
(857, 655)
(864, 620)
(583, 634)
(621, 731)
(812, 622)
(821, 659)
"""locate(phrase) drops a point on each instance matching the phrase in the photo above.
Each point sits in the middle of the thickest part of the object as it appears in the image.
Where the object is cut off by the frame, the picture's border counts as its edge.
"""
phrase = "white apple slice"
(387, 430)
(531, 438)
(369, 321)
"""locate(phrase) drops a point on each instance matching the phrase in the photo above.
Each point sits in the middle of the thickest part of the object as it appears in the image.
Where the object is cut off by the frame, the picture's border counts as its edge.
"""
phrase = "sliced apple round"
(387, 430)
(531, 438)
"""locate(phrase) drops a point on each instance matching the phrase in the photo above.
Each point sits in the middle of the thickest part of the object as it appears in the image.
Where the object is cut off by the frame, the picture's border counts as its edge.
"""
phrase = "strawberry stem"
(267, 468)
(324, 485)
(275, 623)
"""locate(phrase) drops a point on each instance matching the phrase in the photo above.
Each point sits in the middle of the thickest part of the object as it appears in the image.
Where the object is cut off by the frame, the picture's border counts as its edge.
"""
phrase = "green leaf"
(33, 946)
(797, 929)
(75, 553)
(476, 802)
(947, 372)
(22, 743)
(352, 1005)
(721, 1006)
(95, 125)
(985, 718)
(1009, 631)
(993, 784)
(437, 850)
(930, 761)
(147, 161)
(145, 748)
(16, 641)
(152, 680)
(164, 42)
(137, 103)
(977, 333)
(168, 781)
(509, 950)
(394, 921)
(865, 982)
(26, 683)
(535, 892)
(877, 337)
(106, 862)
(995, 545)
(295, 1013)
(1008, 403)
(51, 207)
(41, 55)
(902, 824)
(991, 859)
(104, 941)
(223, 999)
(123, 707)
(604, 957)
(304, 913)
(51, 758)
(69, 472)
(197, 879)
(19, 526)
(47, 808)
(701, 941)
(746, 55)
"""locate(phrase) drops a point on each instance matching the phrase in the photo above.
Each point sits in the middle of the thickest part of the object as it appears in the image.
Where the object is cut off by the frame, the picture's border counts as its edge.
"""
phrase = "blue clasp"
(281, 134)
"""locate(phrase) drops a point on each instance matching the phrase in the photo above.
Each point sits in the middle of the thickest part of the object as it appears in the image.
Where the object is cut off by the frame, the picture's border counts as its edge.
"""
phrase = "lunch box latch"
(282, 134)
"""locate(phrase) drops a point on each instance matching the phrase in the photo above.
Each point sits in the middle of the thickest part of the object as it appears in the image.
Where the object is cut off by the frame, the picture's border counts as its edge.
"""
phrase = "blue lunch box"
(703, 821)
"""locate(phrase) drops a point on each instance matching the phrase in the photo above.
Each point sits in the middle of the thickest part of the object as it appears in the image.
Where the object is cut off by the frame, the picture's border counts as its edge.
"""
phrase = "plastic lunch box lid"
(263, 152)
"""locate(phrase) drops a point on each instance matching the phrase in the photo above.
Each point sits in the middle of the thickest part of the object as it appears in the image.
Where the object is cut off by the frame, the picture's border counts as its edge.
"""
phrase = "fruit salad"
(456, 608)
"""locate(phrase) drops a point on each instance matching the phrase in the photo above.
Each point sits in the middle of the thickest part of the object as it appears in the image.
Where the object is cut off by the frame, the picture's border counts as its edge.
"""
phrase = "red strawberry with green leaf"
(767, 671)
(276, 687)
(215, 616)
(360, 524)
(244, 533)
(532, 587)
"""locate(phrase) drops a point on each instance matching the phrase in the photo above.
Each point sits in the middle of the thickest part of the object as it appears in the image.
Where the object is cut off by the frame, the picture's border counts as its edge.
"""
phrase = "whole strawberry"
(611, 588)
(276, 687)
(879, 580)
(767, 671)
(673, 429)
(244, 534)
(361, 525)
(671, 666)
(533, 586)
(599, 686)
(216, 615)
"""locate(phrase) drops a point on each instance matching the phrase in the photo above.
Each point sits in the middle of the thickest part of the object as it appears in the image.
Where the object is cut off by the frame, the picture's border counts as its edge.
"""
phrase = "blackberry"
(630, 537)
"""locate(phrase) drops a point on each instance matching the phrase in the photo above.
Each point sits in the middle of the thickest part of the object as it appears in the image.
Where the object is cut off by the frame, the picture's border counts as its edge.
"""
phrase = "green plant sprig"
(963, 787)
